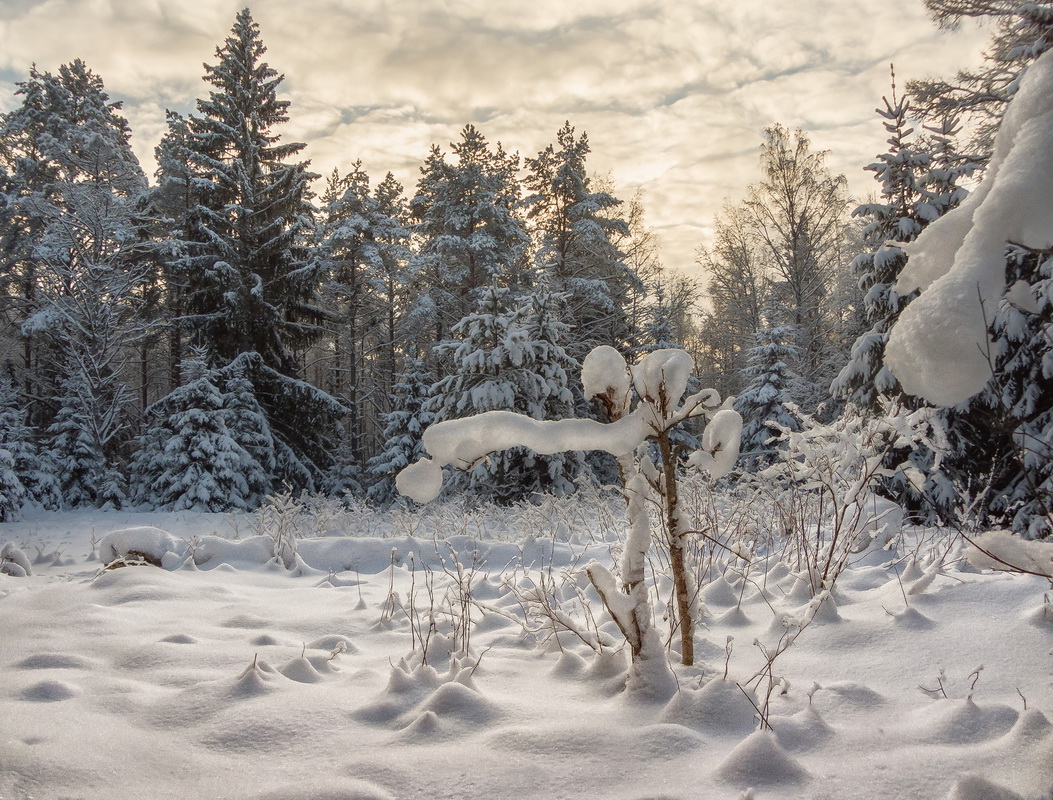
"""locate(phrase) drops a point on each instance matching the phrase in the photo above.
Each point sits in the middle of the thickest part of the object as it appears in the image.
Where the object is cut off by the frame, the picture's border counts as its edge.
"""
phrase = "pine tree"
(576, 230)
(362, 246)
(251, 291)
(470, 233)
(765, 399)
(404, 426)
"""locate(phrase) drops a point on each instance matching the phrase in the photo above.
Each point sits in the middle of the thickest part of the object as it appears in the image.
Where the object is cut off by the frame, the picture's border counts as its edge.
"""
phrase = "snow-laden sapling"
(636, 421)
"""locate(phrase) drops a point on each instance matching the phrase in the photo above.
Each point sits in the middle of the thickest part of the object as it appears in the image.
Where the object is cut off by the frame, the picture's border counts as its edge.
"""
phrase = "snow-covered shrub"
(14, 562)
(828, 474)
(638, 434)
(143, 544)
(277, 518)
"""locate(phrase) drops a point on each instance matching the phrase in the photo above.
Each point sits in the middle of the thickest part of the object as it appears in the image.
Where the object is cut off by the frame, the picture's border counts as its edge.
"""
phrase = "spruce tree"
(765, 399)
(920, 182)
(501, 363)
(404, 426)
(1005, 433)
(189, 459)
(362, 248)
(251, 290)
(469, 229)
(32, 468)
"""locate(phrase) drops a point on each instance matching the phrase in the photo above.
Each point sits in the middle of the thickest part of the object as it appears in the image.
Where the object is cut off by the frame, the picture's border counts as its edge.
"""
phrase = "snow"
(939, 348)
(670, 369)
(227, 676)
(1001, 550)
(720, 444)
(604, 370)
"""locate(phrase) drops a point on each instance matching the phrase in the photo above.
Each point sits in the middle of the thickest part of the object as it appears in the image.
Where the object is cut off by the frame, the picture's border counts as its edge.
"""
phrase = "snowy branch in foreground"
(463, 442)
(939, 347)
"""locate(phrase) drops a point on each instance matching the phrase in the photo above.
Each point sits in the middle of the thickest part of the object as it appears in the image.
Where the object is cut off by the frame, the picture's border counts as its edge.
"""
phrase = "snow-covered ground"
(229, 677)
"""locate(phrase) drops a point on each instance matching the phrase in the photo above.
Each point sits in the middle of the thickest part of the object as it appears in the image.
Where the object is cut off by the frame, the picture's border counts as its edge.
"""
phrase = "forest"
(237, 325)
(330, 488)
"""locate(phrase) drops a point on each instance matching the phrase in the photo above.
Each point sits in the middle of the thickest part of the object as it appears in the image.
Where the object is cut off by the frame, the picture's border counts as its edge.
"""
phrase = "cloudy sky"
(674, 94)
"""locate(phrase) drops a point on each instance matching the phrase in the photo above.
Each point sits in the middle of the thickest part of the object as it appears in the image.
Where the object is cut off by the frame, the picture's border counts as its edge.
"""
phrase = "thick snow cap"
(669, 367)
(939, 347)
(605, 370)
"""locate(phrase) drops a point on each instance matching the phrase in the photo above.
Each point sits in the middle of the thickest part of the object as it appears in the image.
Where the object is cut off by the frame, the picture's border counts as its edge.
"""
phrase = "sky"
(674, 94)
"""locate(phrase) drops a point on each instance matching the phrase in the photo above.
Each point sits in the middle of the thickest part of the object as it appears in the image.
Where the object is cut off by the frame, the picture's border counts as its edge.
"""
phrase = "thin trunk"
(676, 551)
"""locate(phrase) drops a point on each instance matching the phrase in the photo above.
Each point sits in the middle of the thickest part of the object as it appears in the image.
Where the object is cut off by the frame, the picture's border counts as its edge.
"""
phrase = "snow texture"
(284, 686)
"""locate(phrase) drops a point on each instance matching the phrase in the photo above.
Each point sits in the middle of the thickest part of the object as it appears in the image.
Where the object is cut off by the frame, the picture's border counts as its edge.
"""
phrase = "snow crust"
(939, 347)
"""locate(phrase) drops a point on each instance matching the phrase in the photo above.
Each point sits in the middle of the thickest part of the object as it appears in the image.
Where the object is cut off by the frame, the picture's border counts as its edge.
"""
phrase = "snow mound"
(180, 638)
(54, 661)
(734, 618)
(457, 701)
(51, 691)
(426, 727)
(301, 670)
(759, 760)
(257, 679)
(719, 708)
(912, 620)
(345, 790)
(1002, 550)
(14, 562)
(973, 787)
(964, 722)
(805, 730)
(847, 699)
(144, 542)
(666, 741)
(1032, 727)
(334, 643)
(569, 665)
(720, 593)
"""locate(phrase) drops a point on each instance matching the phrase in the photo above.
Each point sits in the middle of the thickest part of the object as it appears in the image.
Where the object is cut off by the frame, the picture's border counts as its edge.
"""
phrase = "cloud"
(674, 95)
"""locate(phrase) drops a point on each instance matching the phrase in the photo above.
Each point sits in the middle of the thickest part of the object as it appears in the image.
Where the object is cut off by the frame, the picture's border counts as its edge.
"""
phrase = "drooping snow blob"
(420, 481)
(939, 347)
(720, 444)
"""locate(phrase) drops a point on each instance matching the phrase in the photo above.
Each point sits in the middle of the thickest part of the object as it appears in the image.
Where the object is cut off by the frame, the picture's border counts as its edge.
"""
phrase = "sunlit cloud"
(675, 96)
